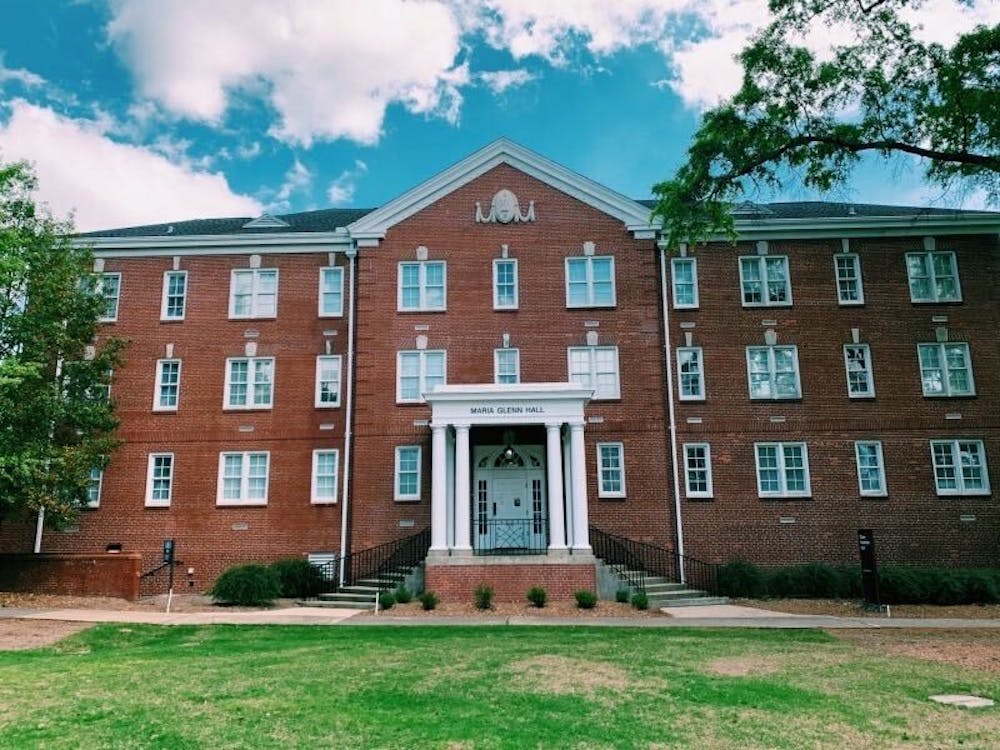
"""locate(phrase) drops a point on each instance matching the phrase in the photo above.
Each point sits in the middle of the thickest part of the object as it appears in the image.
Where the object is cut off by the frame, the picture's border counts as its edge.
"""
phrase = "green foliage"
(247, 585)
(386, 600)
(537, 596)
(429, 600)
(55, 423)
(811, 117)
(621, 596)
(585, 599)
(901, 585)
(403, 594)
(810, 581)
(483, 597)
(739, 578)
(299, 578)
(640, 600)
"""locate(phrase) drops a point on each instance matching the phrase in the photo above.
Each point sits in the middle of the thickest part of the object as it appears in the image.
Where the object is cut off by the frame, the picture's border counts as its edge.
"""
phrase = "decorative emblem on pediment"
(505, 209)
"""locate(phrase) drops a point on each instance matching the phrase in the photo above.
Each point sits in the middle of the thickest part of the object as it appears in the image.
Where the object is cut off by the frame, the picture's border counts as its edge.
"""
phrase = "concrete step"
(356, 596)
(680, 593)
(652, 588)
(700, 601)
(335, 604)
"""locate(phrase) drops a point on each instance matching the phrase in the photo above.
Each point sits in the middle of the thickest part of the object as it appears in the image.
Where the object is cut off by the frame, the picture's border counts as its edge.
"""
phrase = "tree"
(885, 92)
(56, 422)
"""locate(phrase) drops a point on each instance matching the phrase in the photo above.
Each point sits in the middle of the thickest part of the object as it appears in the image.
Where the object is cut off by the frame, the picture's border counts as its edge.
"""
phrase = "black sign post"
(168, 559)
(869, 568)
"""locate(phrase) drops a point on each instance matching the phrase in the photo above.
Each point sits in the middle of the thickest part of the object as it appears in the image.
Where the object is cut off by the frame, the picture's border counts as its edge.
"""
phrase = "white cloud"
(248, 152)
(21, 75)
(341, 190)
(499, 81)
(110, 184)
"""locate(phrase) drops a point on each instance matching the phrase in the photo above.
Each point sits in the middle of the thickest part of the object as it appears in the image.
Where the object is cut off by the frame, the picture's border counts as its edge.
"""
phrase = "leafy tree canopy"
(886, 91)
(56, 422)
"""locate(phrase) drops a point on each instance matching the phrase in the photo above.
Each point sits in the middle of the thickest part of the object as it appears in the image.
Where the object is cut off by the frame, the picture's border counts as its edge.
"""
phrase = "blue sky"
(139, 111)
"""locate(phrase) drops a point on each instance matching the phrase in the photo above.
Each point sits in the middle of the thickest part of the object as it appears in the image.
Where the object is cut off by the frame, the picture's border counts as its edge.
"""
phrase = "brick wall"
(510, 583)
(73, 575)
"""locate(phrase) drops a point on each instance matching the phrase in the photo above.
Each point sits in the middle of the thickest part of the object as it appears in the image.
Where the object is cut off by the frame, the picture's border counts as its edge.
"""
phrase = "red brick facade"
(510, 583)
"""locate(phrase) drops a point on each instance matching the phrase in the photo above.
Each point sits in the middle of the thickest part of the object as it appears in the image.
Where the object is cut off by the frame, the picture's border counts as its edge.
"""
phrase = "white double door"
(509, 509)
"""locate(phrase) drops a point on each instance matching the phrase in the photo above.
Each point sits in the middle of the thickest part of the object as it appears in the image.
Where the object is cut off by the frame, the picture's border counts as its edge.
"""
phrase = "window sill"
(330, 316)
(245, 409)
(155, 506)
(612, 306)
(420, 310)
(314, 501)
(254, 317)
(164, 410)
(171, 320)
(700, 498)
(764, 305)
(327, 406)
(874, 496)
(240, 504)
(406, 499)
(979, 494)
(784, 497)
(936, 301)
(612, 498)
(937, 396)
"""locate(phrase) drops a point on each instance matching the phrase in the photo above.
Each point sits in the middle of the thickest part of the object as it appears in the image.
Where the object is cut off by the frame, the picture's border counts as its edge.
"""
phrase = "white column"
(439, 488)
(567, 464)
(581, 534)
(553, 466)
(462, 497)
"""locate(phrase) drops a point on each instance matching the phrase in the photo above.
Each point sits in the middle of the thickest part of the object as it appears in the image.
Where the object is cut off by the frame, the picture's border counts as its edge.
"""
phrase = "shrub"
(428, 600)
(403, 595)
(537, 596)
(483, 597)
(741, 579)
(299, 578)
(640, 600)
(247, 585)
(585, 599)
(982, 587)
(621, 596)
(386, 600)
(903, 586)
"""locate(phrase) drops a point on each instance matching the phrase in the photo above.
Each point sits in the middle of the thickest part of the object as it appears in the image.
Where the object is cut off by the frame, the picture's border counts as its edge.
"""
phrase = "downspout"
(40, 523)
(351, 253)
(668, 359)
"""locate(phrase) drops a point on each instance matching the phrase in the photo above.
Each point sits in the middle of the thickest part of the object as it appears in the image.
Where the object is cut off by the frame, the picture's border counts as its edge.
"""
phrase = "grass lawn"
(488, 687)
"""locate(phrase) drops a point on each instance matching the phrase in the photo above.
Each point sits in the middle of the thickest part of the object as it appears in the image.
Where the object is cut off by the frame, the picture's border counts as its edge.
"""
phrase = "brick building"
(330, 381)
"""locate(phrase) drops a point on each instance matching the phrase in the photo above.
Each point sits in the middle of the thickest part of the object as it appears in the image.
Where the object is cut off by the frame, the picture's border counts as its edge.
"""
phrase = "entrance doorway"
(510, 509)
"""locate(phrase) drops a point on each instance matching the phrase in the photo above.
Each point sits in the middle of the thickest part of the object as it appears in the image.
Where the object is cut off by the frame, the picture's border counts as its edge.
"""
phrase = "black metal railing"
(378, 564)
(155, 581)
(635, 560)
(519, 536)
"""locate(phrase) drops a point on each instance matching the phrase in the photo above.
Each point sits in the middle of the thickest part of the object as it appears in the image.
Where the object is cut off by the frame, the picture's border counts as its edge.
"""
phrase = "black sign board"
(168, 550)
(869, 567)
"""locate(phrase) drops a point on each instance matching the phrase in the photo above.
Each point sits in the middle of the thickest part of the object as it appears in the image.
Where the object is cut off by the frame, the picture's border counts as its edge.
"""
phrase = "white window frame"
(870, 391)
(152, 502)
(601, 491)
(761, 261)
(411, 497)
(158, 404)
(164, 308)
(95, 503)
(700, 395)
(255, 312)
(588, 260)
(248, 404)
(339, 272)
(315, 499)
(319, 403)
(955, 450)
(771, 367)
(945, 370)
(244, 479)
(497, 356)
(856, 267)
(674, 262)
(592, 371)
(497, 262)
(883, 490)
(423, 353)
(422, 305)
(933, 298)
(709, 491)
(104, 317)
(782, 470)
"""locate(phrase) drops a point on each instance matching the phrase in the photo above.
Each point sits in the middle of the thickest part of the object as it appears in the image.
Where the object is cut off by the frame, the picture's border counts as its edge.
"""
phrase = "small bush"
(386, 600)
(537, 596)
(428, 600)
(299, 578)
(982, 587)
(621, 596)
(585, 599)
(403, 595)
(640, 600)
(741, 579)
(483, 597)
(247, 585)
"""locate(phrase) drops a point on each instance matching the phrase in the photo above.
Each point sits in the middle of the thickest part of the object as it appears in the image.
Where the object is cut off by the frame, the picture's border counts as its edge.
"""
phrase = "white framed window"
(782, 470)
(159, 480)
(243, 478)
(611, 468)
(423, 286)
(417, 372)
(773, 372)
(871, 468)
(698, 470)
(506, 366)
(505, 284)
(684, 273)
(933, 277)
(764, 281)
(249, 383)
(690, 373)
(94, 483)
(590, 281)
(850, 288)
(328, 381)
(167, 392)
(331, 292)
(253, 293)
(174, 301)
(858, 364)
(324, 477)
(595, 367)
(407, 474)
(946, 369)
(109, 285)
(960, 467)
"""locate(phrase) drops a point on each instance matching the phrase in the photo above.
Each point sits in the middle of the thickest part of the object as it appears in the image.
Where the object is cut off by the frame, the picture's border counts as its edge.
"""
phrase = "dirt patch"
(562, 675)
(850, 608)
(516, 609)
(975, 649)
(16, 635)
(744, 666)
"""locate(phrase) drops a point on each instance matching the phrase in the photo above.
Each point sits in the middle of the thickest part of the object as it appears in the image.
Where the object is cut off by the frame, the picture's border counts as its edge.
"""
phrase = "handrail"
(378, 563)
(636, 560)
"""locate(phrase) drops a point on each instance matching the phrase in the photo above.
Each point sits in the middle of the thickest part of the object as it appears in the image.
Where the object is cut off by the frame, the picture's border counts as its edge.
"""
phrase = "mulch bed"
(849, 608)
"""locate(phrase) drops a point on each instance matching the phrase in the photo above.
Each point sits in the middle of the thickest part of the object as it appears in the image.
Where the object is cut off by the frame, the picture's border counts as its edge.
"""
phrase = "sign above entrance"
(489, 411)
(522, 403)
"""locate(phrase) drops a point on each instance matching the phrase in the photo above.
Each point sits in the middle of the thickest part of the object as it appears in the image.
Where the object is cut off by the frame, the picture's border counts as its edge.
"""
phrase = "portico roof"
(513, 403)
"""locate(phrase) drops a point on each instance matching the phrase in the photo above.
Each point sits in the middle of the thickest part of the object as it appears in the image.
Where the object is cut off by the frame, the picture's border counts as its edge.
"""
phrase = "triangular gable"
(265, 221)
(371, 228)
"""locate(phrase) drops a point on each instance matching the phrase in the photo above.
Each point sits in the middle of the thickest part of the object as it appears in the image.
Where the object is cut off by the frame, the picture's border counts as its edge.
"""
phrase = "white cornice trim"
(216, 244)
(867, 226)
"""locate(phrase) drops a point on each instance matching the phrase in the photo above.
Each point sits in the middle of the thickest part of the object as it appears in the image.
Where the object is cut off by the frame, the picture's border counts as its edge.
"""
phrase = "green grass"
(488, 687)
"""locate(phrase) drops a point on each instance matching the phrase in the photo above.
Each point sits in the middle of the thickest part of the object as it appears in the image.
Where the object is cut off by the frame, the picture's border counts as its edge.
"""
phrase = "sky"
(145, 111)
